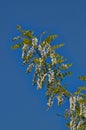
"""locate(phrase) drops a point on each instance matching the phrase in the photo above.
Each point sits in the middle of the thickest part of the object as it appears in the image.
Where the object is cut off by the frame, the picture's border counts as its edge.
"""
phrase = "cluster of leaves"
(50, 68)
(77, 109)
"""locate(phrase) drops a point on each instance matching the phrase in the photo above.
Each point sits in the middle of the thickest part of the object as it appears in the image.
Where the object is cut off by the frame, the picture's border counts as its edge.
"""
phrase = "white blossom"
(44, 50)
(73, 123)
(53, 58)
(37, 68)
(23, 54)
(30, 52)
(79, 124)
(84, 111)
(24, 49)
(34, 41)
(82, 107)
(40, 80)
(60, 99)
(64, 66)
(40, 48)
(39, 83)
(50, 102)
(50, 76)
(30, 67)
(72, 103)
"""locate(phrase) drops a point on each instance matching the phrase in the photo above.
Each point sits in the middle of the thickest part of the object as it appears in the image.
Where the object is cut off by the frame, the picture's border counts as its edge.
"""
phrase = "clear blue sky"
(22, 107)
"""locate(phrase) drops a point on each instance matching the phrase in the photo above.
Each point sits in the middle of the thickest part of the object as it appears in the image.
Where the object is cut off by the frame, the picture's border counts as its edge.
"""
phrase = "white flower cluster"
(29, 68)
(50, 102)
(60, 99)
(72, 101)
(79, 124)
(30, 52)
(34, 42)
(37, 68)
(41, 80)
(44, 50)
(53, 58)
(82, 107)
(51, 76)
(73, 124)
(64, 66)
(24, 50)
(40, 61)
(26, 47)
(47, 50)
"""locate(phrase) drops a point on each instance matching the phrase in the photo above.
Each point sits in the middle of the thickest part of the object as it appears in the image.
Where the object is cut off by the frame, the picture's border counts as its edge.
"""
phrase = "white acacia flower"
(43, 77)
(79, 98)
(50, 102)
(41, 61)
(72, 101)
(24, 49)
(34, 41)
(39, 83)
(40, 48)
(73, 123)
(81, 109)
(79, 124)
(51, 76)
(53, 58)
(41, 80)
(23, 54)
(30, 52)
(37, 68)
(60, 99)
(64, 66)
(30, 67)
(84, 111)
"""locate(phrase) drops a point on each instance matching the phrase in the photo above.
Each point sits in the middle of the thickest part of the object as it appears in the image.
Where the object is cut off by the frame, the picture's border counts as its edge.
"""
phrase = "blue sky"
(22, 107)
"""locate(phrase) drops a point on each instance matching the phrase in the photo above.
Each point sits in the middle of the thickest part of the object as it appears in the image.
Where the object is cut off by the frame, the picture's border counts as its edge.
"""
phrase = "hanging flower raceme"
(50, 102)
(44, 50)
(34, 42)
(72, 101)
(48, 68)
(51, 76)
(40, 80)
(29, 68)
(24, 50)
(60, 99)
(53, 58)
(77, 112)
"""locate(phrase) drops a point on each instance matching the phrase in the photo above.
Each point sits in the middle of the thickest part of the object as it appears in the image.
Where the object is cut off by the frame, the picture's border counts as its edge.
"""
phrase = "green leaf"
(27, 41)
(49, 39)
(82, 78)
(18, 45)
(57, 46)
(60, 60)
(28, 33)
(36, 60)
(81, 88)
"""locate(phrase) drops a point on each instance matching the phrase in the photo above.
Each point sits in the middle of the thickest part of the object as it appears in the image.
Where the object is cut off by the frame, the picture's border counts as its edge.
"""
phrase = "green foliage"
(57, 46)
(83, 78)
(50, 69)
(81, 88)
(18, 45)
(49, 39)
